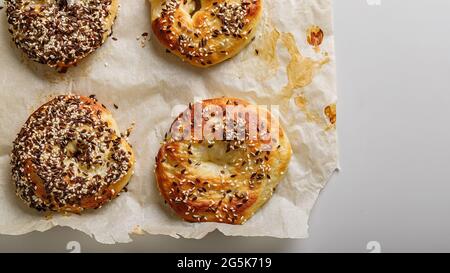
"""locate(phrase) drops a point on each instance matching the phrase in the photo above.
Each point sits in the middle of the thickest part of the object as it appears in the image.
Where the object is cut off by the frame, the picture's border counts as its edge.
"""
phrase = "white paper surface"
(149, 86)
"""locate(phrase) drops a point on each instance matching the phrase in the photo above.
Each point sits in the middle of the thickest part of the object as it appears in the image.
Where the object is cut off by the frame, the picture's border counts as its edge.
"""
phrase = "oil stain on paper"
(300, 70)
(314, 37)
(330, 113)
(267, 49)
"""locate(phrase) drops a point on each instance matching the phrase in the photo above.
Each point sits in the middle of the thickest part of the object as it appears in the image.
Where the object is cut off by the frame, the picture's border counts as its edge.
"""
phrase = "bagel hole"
(77, 152)
(67, 3)
(197, 5)
(62, 3)
(72, 150)
(216, 156)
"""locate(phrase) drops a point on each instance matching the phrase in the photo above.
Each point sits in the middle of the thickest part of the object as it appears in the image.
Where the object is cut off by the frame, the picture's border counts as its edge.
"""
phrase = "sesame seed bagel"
(69, 156)
(227, 175)
(60, 33)
(217, 30)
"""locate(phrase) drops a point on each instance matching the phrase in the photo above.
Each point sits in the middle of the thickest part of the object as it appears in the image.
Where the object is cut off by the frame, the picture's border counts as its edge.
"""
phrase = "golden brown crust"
(60, 33)
(219, 30)
(224, 180)
(70, 156)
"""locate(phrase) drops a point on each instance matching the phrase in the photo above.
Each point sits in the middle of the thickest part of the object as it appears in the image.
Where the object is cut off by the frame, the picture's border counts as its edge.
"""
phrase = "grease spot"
(267, 50)
(262, 55)
(314, 37)
(301, 102)
(315, 116)
(301, 69)
(330, 112)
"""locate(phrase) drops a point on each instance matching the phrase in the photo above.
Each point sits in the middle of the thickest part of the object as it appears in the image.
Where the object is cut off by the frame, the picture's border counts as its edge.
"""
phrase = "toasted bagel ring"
(60, 33)
(69, 156)
(226, 180)
(219, 30)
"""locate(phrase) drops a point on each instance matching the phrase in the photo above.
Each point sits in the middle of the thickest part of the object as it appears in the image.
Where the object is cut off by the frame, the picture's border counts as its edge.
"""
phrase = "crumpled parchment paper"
(151, 87)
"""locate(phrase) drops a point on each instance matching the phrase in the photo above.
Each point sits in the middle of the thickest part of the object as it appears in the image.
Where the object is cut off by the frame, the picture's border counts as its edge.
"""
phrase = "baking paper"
(150, 87)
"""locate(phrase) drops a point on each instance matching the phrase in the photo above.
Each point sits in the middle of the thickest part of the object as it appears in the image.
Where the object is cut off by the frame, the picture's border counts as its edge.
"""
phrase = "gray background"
(394, 112)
